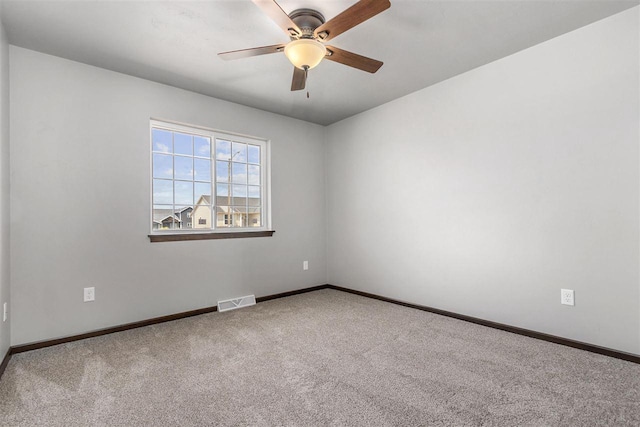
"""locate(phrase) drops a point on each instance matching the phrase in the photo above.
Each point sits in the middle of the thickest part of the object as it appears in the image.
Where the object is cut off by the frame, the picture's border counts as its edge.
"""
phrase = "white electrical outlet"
(566, 297)
(89, 294)
(305, 265)
(5, 312)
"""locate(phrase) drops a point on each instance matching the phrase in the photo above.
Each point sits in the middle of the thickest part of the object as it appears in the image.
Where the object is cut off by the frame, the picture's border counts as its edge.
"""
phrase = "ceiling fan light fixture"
(305, 53)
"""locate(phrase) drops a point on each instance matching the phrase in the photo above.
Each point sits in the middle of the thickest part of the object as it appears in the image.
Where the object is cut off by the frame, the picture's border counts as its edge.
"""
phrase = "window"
(219, 178)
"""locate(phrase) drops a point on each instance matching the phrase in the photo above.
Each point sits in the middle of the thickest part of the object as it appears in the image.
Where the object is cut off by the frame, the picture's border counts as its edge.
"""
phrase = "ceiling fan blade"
(255, 51)
(352, 59)
(299, 79)
(279, 16)
(356, 14)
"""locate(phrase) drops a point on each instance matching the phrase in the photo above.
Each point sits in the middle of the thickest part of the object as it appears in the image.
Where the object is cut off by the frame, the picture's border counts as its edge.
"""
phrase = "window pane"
(162, 191)
(239, 175)
(239, 195)
(223, 196)
(254, 174)
(184, 192)
(201, 216)
(162, 217)
(239, 191)
(223, 149)
(222, 171)
(183, 167)
(182, 144)
(182, 216)
(223, 217)
(202, 189)
(239, 216)
(167, 223)
(202, 170)
(202, 147)
(222, 190)
(162, 166)
(254, 195)
(255, 220)
(161, 140)
(239, 152)
(254, 154)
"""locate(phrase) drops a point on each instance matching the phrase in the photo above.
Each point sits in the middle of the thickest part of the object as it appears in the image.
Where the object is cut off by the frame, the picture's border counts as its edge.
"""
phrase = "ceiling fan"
(308, 32)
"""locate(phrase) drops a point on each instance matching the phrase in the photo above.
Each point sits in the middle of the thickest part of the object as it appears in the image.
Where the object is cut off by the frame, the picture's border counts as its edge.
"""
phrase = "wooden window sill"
(207, 236)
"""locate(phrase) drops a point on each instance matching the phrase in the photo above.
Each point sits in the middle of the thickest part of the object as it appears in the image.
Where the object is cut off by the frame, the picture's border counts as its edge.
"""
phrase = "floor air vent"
(232, 304)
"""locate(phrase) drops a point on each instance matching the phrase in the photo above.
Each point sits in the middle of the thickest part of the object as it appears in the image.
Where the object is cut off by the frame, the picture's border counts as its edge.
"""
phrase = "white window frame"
(213, 134)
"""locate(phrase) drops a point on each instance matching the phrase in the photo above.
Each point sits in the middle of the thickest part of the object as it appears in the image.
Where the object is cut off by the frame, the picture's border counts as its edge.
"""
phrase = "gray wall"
(80, 141)
(488, 193)
(5, 297)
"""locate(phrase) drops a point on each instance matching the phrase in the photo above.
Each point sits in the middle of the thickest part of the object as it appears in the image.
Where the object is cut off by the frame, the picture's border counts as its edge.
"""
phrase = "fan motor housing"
(307, 20)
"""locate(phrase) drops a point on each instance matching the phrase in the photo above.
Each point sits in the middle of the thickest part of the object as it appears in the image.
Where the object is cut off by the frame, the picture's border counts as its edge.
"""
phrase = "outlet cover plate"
(566, 297)
(89, 294)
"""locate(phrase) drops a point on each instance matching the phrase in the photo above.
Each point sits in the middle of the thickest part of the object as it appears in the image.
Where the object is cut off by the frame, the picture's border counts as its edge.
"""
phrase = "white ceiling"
(420, 43)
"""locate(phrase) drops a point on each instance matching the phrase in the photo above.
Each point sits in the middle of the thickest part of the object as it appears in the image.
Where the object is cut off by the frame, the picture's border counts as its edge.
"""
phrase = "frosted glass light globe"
(305, 53)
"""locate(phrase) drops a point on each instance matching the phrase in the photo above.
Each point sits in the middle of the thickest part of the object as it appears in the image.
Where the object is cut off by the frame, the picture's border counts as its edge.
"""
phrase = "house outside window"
(217, 177)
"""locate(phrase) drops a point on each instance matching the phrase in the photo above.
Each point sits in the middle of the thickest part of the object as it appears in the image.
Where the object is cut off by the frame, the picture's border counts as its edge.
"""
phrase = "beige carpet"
(321, 358)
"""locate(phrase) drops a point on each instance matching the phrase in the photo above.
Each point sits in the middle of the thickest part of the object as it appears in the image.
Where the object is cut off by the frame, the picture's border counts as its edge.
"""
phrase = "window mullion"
(214, 182)
(173, 179)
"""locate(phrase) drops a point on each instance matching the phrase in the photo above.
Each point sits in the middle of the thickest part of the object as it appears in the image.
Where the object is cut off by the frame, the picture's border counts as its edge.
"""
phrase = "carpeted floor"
(321, 358)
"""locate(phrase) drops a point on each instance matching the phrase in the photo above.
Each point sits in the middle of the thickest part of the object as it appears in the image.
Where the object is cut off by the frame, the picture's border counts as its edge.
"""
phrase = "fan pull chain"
(306, 71)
